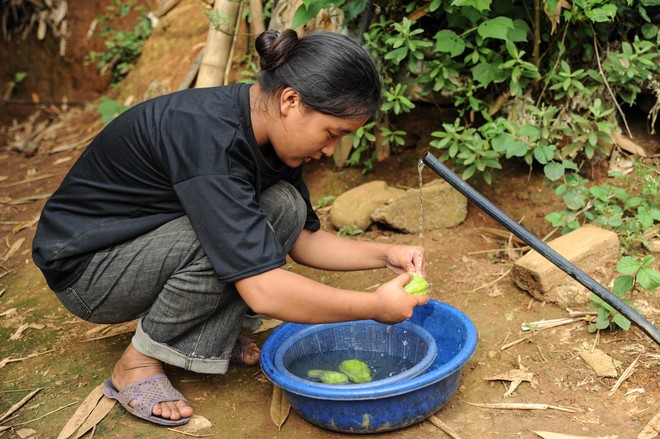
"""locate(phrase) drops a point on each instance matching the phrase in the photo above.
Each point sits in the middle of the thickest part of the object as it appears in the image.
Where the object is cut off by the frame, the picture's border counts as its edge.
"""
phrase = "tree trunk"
(218, 46)
(257, 26)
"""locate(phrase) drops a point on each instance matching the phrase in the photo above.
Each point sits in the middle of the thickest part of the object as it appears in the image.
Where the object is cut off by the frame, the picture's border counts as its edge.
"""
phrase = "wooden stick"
(43, 416)
(442, 426)
(13, 360)
(493, 282)
(18, 405)
(524, 406)
(189, 434)
(513, 343)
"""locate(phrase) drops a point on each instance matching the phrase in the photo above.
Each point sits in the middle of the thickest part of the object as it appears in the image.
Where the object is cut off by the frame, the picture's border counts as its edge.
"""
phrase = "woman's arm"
(291, 297)
(327, 251)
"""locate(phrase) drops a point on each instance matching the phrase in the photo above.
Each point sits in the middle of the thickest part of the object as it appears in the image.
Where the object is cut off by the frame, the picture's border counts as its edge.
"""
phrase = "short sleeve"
(230, 225)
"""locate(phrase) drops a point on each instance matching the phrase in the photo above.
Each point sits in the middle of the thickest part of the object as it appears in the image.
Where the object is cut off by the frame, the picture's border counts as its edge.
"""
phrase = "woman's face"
(302, 134)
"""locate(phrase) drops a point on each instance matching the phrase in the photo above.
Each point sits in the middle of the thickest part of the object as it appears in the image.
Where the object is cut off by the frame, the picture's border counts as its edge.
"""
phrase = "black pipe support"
(541, 247)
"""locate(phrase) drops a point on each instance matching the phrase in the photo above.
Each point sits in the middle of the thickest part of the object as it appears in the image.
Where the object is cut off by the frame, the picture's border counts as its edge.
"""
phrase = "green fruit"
(328, 376)
(356, 370)
(417, 286)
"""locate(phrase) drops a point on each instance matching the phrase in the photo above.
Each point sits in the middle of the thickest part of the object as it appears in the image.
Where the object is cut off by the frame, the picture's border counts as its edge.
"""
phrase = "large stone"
(354, 207)
(442, 207)
(593, 250)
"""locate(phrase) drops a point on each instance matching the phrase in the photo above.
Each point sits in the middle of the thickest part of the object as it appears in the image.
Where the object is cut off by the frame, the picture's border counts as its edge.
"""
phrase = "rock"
(600, 362)
(443, 207)
(354, 207)
(592, 249)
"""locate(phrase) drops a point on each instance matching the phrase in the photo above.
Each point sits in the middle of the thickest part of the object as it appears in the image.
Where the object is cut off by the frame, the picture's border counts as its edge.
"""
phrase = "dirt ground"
(67, 358)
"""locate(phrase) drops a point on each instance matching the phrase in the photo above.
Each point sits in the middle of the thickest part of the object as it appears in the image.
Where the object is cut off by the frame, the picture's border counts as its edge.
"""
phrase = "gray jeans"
(188, 318)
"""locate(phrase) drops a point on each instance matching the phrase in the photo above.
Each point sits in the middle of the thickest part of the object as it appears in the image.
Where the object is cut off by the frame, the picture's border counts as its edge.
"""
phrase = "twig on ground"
(493, 282)
(8, 360)
(442, 426)
(44, 415)
(524, 406)
(18, 405)
(513, 343)
(189, 434)
(624, 376)
(572, 313)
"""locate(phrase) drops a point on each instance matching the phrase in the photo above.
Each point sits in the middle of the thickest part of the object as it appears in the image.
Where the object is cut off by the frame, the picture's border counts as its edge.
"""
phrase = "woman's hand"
(406, 258)
(394, 304)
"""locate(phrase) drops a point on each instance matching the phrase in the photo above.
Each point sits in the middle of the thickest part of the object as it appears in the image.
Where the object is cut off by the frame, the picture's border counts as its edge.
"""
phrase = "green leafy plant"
(349, 231)
(635, 274)
(109, 109)
(123, 48)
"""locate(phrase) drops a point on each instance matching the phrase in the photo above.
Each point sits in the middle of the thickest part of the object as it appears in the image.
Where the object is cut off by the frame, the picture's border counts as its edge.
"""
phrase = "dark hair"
(330, 71)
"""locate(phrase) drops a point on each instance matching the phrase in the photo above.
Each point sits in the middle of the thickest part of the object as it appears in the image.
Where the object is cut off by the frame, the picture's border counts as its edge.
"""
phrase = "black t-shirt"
(190, 153)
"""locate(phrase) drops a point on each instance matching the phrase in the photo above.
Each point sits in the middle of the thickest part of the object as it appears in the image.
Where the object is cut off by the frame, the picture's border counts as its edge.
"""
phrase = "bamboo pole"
(218, 46)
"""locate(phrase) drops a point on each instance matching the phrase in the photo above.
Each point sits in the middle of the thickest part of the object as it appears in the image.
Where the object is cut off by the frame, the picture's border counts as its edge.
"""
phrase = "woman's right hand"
(394, 303)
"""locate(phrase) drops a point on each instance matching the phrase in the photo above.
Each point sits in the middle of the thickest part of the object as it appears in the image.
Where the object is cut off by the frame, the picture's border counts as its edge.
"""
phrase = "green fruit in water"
(356, 370)
(328, 376)
(417, 286)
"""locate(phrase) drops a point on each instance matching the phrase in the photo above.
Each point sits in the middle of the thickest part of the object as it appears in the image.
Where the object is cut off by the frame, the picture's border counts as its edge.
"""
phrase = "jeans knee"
(286, 210)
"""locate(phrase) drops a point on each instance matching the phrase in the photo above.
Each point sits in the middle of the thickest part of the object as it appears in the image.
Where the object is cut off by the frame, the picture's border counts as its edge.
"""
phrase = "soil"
(67, 358)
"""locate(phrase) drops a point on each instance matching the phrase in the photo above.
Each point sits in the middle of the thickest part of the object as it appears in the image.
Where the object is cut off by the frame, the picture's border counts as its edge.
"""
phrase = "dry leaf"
(82, 413)
(516, 376)
(13, 249)
(628, 145)
(556, 14)
(267, 324)
(279, 407)
(25, 225)
(24, 327)
(100, 411)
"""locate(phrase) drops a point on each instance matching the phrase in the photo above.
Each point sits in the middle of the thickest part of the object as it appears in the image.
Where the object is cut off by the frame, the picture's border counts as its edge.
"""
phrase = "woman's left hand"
(406, 258)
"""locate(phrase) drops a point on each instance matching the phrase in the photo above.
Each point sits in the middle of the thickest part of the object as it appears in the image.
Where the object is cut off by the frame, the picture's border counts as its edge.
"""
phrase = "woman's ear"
(289, 99)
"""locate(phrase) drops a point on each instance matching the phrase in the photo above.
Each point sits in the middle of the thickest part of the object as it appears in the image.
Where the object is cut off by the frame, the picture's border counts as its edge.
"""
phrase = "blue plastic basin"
(403, 340)
(393, 405)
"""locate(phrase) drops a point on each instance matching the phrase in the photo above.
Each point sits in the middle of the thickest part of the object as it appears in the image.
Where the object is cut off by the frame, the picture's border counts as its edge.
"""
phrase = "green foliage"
(325, 201)
(349, 231)
(630, 206)
(122, 47)
(19, 77)
(635, 274)
(479, 51)
(109, 109)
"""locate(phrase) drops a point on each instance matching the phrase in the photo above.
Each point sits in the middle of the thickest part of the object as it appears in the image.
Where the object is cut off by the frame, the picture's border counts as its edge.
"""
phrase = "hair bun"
(274, 47)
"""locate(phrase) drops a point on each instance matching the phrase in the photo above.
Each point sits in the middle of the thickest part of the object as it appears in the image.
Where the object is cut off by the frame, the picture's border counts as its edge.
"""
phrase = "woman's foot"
(245, 352)
(134, 366)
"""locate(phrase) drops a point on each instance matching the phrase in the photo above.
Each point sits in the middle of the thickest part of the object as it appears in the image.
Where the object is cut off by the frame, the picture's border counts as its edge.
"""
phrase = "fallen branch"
(524, 406)
(442, 426)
